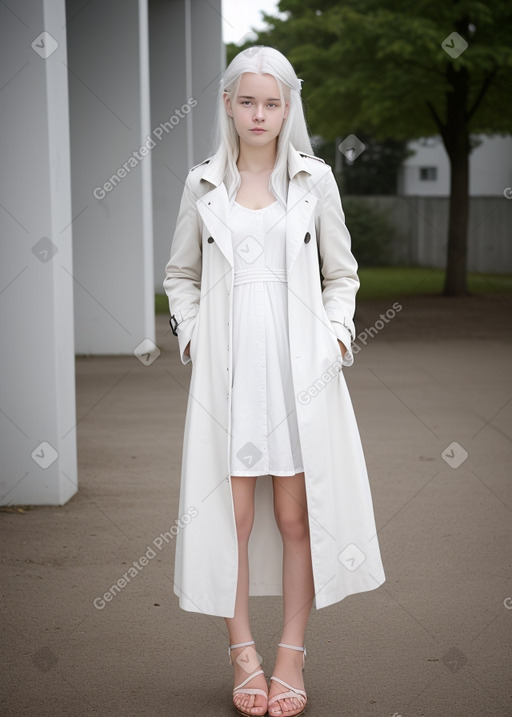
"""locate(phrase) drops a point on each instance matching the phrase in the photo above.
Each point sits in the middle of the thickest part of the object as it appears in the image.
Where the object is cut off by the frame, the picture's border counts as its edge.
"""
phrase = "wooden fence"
(421, 225)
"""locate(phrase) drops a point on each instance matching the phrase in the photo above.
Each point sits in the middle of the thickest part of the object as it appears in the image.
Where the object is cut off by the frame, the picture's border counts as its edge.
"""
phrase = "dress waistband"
(246, 276)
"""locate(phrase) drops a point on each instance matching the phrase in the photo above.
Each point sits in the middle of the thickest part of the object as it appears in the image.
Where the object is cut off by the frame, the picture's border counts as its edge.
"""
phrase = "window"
(428, 174)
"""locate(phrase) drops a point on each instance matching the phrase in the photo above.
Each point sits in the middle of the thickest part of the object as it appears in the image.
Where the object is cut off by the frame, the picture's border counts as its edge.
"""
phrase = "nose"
(259, 114)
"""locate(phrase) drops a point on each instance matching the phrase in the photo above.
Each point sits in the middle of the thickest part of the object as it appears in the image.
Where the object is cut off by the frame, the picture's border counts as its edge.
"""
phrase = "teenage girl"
(261, 284)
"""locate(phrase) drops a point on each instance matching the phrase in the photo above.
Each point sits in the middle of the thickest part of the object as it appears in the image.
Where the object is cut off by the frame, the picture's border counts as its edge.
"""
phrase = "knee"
(292, 525)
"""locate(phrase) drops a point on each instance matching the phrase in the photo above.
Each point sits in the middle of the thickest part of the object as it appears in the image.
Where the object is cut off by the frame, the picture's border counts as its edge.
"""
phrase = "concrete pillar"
(111, 175)
(37, 392)
(187, 59)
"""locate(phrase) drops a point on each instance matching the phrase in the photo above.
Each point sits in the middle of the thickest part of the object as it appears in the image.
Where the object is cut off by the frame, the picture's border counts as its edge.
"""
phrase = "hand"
(343, 348)
(187, 350)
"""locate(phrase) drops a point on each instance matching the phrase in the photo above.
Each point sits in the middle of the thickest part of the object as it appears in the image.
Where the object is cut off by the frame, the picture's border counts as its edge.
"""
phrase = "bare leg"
(238, 626)
(290, 507)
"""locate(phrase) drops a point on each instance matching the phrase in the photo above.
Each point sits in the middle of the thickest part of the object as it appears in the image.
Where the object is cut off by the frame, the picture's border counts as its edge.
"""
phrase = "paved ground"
(435, 639)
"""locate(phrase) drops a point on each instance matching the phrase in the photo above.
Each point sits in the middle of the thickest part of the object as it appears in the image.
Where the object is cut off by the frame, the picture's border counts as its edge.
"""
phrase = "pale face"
(257, 111)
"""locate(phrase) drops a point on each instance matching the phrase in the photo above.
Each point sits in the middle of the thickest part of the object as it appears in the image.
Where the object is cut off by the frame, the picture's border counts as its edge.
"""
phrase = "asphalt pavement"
(432, 391)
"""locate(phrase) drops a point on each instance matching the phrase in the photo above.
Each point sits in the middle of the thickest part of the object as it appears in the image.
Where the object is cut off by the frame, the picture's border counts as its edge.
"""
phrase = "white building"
(105, 106)
(427, 172)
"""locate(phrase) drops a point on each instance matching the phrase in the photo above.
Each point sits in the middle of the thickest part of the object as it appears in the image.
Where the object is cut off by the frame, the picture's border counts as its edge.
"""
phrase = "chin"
(261, 138)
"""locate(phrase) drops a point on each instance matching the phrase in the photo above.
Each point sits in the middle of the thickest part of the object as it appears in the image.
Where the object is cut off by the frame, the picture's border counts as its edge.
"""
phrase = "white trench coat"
(199, 283)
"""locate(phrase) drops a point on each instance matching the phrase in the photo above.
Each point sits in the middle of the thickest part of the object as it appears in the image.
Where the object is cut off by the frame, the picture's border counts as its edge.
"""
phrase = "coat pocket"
(193, 339)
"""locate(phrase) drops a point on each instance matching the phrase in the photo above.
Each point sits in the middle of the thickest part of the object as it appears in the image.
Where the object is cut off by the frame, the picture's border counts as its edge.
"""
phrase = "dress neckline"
(248, 209)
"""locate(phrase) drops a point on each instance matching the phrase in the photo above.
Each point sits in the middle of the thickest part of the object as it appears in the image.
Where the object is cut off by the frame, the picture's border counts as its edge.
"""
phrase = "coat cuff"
(344, 335)
(182, 324)
(184, 330)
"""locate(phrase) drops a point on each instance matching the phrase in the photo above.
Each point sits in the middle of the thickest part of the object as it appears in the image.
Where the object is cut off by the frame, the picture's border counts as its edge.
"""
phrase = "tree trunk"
(456, 141)
(455, 282)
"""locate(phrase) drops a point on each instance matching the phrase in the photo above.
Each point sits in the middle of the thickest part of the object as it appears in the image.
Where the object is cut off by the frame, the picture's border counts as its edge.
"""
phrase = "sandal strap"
(248, 679)
(240, 644)
(293, 692)
(250, 691)
(287, 695)
(289, 687)
(293, 647)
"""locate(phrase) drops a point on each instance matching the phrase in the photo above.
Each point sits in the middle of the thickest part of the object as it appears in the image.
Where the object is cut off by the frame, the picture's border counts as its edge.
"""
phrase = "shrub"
(371, 231)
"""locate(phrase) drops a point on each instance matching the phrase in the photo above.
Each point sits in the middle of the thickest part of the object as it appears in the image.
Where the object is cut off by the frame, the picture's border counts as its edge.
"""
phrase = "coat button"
(307, 238)
(210, 240)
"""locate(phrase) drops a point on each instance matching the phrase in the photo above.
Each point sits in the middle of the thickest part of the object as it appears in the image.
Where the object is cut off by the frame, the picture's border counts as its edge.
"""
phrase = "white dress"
(264, 431)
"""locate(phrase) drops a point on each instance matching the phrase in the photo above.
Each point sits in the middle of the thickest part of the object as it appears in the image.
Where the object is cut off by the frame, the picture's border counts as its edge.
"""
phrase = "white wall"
(490, 166)
(37, 394)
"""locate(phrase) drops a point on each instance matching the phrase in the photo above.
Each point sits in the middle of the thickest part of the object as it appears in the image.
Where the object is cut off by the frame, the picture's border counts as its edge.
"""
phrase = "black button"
(307, 238)
(210, 240)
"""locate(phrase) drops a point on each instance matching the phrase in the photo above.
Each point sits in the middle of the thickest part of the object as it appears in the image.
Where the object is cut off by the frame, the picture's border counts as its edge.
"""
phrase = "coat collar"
(213, 206)
(212, 169)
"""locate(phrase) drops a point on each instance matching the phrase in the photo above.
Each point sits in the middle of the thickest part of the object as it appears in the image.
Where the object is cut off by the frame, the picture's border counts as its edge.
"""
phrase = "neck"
(257, 159)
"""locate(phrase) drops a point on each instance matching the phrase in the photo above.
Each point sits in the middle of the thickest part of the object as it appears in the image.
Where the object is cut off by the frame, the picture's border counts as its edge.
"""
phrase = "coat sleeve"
(182, 281)
(338, 266)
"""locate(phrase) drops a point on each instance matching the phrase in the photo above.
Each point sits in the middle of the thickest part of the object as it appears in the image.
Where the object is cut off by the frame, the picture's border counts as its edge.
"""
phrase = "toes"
(289, 704)
(279, 708)
(249, 703)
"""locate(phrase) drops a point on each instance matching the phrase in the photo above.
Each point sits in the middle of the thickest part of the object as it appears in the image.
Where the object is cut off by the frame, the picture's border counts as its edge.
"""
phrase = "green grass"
(161, 304)
(390, 282)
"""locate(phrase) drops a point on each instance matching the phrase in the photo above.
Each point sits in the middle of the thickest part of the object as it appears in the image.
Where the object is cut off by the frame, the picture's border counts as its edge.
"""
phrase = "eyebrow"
(269, 99)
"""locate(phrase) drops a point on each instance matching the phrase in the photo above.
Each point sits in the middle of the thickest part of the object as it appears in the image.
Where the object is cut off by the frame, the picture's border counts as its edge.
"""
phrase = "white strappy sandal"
(241, 689)
(292, 691)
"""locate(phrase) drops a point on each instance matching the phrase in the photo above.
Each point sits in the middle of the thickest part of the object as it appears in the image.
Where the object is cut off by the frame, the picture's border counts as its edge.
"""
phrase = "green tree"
(394, 69)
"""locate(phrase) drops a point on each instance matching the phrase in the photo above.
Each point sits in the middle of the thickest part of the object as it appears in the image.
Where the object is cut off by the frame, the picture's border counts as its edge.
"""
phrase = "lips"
(257, 130)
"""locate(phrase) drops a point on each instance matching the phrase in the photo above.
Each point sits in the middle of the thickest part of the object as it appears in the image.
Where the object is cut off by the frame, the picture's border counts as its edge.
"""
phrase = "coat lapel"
(299, 207)
(214, 210)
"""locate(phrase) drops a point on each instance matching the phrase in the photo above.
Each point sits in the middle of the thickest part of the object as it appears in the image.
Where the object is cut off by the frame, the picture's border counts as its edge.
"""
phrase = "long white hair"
(261, 60)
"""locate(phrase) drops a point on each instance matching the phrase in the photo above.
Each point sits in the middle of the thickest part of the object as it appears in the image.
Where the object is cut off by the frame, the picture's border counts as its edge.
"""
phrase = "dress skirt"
(264, 431)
